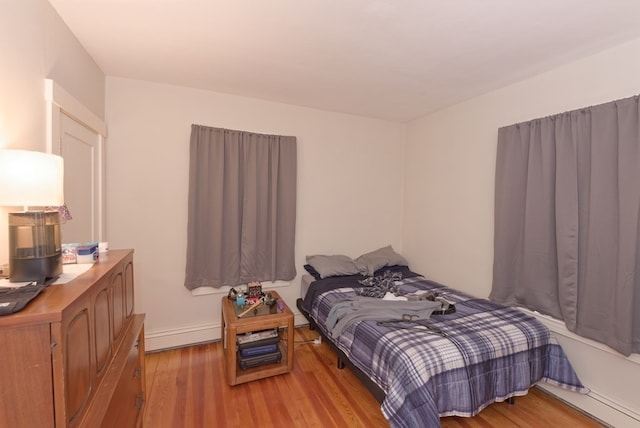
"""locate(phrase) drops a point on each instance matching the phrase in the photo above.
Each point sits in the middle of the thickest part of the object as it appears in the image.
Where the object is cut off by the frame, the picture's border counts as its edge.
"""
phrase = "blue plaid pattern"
(455, 364)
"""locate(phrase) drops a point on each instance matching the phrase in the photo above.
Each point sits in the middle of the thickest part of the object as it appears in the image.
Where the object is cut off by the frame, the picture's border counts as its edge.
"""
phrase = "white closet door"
(80, 146)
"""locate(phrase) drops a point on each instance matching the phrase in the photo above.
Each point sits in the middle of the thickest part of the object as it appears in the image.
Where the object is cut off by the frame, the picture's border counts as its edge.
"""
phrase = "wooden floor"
(186, 389)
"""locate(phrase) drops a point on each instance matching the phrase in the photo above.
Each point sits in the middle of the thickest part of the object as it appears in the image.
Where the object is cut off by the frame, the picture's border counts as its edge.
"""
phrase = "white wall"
(349, 173)
(449, 192)
(36, 44)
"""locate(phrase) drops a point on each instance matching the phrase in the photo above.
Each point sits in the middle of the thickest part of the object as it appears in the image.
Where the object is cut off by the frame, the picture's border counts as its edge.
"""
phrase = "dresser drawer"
(125, 409)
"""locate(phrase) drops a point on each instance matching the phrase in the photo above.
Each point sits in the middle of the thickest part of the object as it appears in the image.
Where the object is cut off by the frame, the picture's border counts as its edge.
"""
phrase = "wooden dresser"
(74, 357)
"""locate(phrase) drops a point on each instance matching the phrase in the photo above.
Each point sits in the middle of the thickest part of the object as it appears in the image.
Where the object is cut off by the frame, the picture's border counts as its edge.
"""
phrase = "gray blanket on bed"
(347, 311)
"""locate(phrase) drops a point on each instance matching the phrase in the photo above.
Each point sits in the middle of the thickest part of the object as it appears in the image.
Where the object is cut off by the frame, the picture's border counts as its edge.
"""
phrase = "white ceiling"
(390, 59)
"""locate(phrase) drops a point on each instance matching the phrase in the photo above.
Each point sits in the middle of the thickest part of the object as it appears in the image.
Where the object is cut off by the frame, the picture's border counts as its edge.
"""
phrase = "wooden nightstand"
(233, 326)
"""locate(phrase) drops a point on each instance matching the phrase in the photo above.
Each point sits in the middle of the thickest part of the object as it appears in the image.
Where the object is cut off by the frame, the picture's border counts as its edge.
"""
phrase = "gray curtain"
(567, 220)
(242, 208)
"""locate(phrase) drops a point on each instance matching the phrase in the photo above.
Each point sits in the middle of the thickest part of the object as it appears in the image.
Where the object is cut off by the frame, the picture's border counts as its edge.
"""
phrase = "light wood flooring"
(186, 389)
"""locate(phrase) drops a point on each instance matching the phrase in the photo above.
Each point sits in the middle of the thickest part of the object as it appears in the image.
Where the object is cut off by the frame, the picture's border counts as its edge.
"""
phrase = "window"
(567, 220)
(242, 208)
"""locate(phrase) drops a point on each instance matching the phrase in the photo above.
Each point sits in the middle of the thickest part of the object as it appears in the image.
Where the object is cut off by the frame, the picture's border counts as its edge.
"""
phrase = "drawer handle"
(137, 372)
(139, 401)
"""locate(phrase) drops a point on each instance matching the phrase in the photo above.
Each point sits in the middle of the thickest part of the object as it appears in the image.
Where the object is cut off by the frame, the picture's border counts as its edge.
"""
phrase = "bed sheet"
(455, 364)
(305, 283)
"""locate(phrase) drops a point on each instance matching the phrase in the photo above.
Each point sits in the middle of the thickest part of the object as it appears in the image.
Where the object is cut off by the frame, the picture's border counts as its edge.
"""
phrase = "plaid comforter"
(455, 364)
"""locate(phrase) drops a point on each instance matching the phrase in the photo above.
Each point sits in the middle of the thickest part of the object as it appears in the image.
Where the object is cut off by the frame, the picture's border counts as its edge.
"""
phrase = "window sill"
(223, 291)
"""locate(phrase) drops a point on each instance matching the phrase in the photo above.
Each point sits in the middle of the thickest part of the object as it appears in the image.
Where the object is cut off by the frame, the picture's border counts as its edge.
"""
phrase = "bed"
(455, 363)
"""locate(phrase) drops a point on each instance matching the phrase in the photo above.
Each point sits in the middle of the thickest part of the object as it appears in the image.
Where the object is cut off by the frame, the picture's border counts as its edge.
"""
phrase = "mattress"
(305, 283)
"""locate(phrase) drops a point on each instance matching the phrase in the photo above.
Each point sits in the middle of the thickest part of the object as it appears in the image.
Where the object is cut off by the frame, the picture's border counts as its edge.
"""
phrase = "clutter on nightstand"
(254, 289)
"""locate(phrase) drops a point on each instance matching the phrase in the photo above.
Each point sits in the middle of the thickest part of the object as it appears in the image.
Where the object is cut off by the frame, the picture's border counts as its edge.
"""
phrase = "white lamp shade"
(29, 178)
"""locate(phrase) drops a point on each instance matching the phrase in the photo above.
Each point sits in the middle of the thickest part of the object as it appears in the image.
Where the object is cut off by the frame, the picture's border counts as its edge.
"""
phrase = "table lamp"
(32, 179)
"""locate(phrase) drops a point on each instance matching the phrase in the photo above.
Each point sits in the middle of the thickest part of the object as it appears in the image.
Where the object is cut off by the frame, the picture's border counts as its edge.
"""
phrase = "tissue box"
(88, 253)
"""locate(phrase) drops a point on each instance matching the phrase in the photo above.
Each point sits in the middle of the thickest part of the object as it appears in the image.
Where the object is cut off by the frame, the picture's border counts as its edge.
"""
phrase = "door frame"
(60, 101)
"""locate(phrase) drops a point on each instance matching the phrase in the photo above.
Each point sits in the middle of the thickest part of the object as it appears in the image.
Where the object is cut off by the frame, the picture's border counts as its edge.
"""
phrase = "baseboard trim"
(596, 403)
(159, 340)
(597, 406)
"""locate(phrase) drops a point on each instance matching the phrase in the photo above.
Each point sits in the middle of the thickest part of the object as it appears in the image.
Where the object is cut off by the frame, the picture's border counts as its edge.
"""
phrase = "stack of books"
(256, 349)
